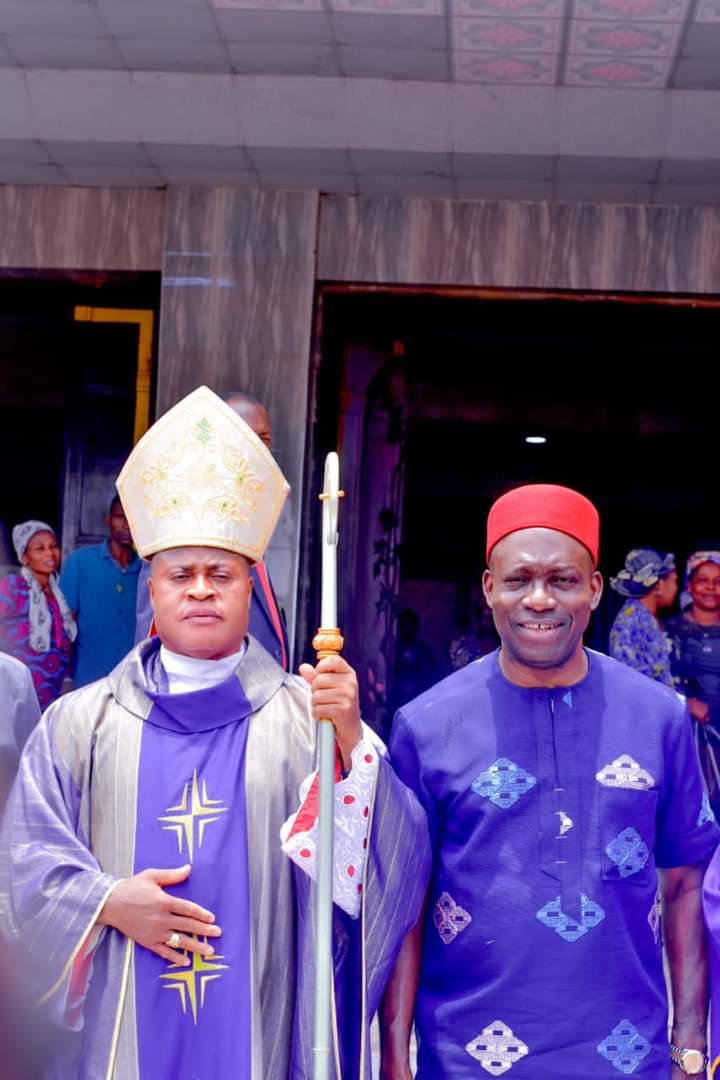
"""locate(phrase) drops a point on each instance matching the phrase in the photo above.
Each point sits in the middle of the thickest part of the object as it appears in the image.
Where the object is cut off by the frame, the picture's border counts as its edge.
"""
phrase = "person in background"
(695, 637)
(649, 582)
(19, 714)
(36, 624)
(100, 584)
(267, 622)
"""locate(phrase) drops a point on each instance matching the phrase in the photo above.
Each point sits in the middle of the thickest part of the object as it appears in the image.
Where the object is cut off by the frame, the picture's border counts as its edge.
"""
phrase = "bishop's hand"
(140, 908)
(335, 697)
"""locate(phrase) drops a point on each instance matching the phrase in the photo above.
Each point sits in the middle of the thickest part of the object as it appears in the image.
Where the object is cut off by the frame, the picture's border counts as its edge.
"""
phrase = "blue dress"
(638, 640)
(549, 812)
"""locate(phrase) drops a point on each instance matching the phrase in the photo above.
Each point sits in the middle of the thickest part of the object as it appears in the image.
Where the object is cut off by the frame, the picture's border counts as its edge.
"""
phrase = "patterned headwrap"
(23, 533)
(696, 559)
(38, 611)
(644, 567)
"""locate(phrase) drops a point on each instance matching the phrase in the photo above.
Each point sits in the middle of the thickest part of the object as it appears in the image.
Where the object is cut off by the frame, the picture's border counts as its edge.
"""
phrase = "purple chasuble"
(194, 1023)
(549, 812)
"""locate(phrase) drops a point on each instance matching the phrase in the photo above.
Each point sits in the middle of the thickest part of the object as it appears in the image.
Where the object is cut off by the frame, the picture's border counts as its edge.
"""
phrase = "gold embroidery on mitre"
(174, 484)
(201, 477)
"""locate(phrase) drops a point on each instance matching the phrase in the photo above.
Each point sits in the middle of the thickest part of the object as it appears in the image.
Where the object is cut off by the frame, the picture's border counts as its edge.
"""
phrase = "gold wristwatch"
(692, 1062)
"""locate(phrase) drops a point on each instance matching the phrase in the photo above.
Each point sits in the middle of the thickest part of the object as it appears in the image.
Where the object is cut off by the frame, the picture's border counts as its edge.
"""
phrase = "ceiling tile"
(475, 187)
(32, 174)
(168, 108)
(517, 9)
(53, 17)
(400, 162)
(114, 175)
(288, 59)
(687, 195)
(278, 159)
(684, 171)
(623, 38)
(332, 183)
(53, 51)
(638, 126)
(508, 35)
(158, 22)
(23, 152)
(275, 27)
(600, 169)
(188, 176)
(203, 57)
(437, 186)
(708, 11)
(614, 72)
(6, 57)
(523, 167)
(66, 152)
(391, 7)
(165, 3)
(593, 192)
(400, 32)
(270, 5)
(429, 65)
(654, 10)
(508, 68)
(697, 73)
(174, 156)
(101, 116)
(702, 39)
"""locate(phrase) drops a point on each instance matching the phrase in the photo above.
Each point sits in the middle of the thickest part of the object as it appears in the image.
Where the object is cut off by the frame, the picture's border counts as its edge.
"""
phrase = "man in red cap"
(557, 783)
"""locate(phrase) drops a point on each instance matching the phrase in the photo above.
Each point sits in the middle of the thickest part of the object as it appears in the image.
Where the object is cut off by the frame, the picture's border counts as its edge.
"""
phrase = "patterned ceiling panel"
(628, 44)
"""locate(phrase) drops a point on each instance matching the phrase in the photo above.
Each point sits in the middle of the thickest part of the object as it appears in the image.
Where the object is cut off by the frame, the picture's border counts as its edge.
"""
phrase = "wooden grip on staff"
(328, 642)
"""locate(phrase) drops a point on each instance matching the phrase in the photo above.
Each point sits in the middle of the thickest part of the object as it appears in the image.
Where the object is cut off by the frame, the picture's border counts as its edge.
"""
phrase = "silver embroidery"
(449, 918)
(496, 1048)
(624, 772)
(655, 918)
(706, 813)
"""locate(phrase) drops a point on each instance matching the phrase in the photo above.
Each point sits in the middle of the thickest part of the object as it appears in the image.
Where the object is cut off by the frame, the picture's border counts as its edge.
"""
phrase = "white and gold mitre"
(201, 477)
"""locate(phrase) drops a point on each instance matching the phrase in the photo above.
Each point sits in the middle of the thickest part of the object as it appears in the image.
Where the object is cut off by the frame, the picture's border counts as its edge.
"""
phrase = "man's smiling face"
(542, 588)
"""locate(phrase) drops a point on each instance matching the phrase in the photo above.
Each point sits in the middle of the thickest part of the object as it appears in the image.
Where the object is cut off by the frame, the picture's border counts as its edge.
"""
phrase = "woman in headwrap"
(36, 625)
(649, 581)
(696, 661)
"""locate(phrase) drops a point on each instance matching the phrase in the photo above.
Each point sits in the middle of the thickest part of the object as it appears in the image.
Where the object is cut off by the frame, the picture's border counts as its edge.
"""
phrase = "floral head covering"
(644, 567)
(23, 533)
(39, 616)
(696, 559)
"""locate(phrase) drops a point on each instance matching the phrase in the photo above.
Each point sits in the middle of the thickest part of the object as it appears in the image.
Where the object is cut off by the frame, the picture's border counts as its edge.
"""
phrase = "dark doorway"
(68, 397)
(614, 385)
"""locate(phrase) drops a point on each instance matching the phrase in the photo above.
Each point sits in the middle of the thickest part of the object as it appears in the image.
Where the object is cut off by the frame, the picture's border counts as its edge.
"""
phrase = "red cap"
(545, 506)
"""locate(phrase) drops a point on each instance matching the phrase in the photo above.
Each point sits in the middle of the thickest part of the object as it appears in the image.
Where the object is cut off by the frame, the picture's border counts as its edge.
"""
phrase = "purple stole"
(193, 1023)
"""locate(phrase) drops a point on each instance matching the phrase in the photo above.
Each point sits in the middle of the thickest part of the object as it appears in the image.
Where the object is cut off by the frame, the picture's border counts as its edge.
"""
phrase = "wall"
(236, 313)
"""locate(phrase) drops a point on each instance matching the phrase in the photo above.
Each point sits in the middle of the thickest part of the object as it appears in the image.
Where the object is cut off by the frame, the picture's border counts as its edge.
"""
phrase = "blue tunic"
(549, 812)
(102, 594)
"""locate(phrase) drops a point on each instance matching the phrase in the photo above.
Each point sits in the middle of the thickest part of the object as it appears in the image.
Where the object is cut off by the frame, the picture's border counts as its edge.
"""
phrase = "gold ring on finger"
(173, 942)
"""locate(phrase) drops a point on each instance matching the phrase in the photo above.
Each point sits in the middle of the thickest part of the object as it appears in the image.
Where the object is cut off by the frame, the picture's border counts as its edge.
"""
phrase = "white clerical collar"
(186, 673)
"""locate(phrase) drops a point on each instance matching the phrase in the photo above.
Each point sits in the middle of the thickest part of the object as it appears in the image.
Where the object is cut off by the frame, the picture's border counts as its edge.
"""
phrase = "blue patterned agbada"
(550, 811)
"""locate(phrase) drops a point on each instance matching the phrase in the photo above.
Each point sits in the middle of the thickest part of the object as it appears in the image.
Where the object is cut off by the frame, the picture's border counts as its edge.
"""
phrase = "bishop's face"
(201, 600)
